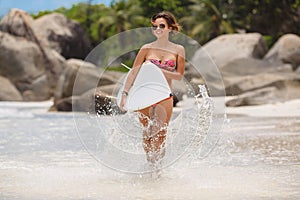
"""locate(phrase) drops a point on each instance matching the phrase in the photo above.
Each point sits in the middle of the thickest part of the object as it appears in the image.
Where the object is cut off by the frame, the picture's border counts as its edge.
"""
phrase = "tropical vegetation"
(200, 19)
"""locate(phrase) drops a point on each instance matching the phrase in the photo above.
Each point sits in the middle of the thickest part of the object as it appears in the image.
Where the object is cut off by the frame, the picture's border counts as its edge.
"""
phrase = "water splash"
(202, 114)
(186, 134)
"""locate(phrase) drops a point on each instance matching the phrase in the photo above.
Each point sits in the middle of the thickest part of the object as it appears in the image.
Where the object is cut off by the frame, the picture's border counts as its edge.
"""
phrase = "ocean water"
(49, 155)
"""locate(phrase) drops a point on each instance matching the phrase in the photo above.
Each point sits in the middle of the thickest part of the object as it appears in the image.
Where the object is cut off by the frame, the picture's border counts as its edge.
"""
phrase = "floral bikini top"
(169, 65)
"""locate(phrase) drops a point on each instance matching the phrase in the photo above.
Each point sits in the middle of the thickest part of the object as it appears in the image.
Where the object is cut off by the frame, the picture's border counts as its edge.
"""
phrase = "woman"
(170, 58)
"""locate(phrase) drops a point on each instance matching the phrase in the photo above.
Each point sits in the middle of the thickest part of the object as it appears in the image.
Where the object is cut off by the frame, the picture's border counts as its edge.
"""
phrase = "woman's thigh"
(162, 111)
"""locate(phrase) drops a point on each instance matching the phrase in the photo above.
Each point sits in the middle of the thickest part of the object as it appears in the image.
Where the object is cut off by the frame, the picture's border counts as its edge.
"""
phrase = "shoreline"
(290, 108)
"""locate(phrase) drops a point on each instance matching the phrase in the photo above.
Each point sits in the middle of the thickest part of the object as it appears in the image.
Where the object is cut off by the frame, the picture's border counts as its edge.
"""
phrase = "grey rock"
(286, 50)
(18, 23)
(28, 67)
(8, 91)
(279, 91)
(38, 90)
(19, 58)
(82, 76)
(93, 101)
(239, 85)
(54, 31)
(65, 36)
(257, 97)
(245, 74)
(252, 66)
(226, 48)
(64, 104)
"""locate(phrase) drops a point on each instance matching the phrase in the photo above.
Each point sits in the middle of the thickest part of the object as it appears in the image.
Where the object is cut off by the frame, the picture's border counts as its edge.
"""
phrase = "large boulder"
(240, 85)
(92, 101)
(65, 36)
(18, 23)
(256, 97)
(85, 79)
(87, 76)
(95, 101)
(266, 88)
(227, 48)
(252, 66)
(286, 50)
(8, 91)
(244, 74)
(34, 71)
(277, 92)
(31, 66)
(234, 55)
(19, 58)
(54, 31)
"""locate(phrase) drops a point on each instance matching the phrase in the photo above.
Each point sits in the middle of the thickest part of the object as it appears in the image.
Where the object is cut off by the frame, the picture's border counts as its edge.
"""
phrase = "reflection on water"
(41, 157)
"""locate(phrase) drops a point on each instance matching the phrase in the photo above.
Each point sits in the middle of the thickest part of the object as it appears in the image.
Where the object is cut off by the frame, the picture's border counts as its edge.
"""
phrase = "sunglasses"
(161, 26)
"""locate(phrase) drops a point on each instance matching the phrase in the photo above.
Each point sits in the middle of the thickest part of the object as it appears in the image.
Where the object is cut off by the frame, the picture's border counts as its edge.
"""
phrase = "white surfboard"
(150, 87)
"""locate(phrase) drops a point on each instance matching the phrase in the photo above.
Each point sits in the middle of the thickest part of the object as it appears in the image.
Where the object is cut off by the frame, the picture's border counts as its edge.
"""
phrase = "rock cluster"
(34, 52)
(251, 72)
(43, 58)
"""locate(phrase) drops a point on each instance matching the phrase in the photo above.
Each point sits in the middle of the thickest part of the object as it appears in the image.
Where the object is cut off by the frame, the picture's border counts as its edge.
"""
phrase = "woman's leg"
(155, 120)
(144, 117)
(162, 116)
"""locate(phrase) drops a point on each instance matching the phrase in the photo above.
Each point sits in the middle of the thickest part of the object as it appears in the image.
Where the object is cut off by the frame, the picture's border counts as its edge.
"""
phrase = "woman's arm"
(132, 74)
(135, 68)
(178, 74)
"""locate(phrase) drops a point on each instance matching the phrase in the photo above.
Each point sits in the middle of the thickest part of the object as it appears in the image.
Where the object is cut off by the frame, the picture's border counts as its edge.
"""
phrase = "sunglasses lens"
(154, 27)
(162, 26)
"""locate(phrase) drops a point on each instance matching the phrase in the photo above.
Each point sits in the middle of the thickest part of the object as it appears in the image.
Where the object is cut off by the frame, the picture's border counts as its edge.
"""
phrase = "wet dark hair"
(169, 17)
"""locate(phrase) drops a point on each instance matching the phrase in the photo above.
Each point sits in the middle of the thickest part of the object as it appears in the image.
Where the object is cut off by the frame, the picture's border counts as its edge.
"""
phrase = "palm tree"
(123, 15)
(207, 20)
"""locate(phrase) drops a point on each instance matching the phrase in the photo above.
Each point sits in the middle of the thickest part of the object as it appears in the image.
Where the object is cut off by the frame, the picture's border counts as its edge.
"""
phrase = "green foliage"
(208, 19)
(273, 18)
(128, 62)
(269, 40)
(200, 19)
(41, 13)
(152, 7)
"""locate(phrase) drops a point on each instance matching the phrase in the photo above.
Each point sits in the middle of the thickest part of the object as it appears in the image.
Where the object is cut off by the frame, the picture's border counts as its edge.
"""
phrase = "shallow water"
(42, 157)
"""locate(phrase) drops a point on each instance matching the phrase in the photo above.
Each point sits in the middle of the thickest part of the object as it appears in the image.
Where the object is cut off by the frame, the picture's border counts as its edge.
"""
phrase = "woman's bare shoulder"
(179, 47)
(147, 46)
